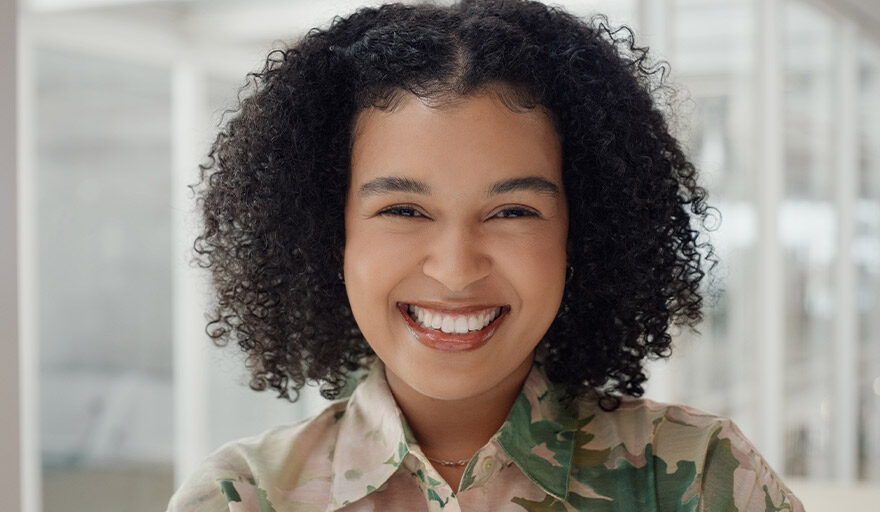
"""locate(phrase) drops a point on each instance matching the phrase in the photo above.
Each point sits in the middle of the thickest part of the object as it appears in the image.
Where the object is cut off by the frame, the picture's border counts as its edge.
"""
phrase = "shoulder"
(254, 469)
(705, 456)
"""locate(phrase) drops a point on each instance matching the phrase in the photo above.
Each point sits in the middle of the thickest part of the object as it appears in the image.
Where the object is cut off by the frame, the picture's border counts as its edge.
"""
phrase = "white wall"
(10, 483)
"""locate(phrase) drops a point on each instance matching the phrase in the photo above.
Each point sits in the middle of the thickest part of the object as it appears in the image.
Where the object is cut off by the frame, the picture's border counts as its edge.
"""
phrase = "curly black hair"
(273, 190)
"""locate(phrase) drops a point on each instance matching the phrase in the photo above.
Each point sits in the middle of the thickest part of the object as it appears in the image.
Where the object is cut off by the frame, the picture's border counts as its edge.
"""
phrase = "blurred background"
(118, 101)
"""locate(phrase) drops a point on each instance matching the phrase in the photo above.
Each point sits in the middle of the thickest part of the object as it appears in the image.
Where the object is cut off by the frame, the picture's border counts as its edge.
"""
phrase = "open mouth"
(461, 323)
(454, 332)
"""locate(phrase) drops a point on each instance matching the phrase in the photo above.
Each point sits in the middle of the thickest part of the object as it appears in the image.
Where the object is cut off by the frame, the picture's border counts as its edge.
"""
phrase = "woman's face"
(456, 224)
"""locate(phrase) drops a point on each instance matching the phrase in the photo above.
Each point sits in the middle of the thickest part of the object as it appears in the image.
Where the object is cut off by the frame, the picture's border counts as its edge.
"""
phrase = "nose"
(457, 258)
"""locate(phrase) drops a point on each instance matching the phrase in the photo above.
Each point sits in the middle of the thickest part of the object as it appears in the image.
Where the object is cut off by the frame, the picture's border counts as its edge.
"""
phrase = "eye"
(512, 213)
(401, 211)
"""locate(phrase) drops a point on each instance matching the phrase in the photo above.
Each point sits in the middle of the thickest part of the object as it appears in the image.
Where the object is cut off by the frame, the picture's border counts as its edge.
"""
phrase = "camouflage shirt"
(359, 455)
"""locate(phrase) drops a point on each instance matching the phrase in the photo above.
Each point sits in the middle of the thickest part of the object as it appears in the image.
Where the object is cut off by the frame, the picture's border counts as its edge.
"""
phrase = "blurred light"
(70, 5)
(809, 225)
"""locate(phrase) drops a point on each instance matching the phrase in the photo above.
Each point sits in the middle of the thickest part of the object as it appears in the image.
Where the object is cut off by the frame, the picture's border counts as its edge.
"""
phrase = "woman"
(482, 205)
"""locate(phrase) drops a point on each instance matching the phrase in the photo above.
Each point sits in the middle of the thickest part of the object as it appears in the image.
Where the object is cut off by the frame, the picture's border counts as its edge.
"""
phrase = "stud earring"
(570, 274)
(341, 278)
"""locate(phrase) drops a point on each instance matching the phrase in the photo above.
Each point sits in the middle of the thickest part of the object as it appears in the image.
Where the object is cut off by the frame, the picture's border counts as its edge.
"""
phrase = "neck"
(455, 429)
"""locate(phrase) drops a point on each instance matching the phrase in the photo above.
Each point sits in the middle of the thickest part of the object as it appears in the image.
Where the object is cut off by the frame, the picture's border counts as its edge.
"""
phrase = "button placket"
(437, 493)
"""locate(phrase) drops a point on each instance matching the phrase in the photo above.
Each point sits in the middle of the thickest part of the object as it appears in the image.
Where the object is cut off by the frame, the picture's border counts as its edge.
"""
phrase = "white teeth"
(452, 324)
(448, 325)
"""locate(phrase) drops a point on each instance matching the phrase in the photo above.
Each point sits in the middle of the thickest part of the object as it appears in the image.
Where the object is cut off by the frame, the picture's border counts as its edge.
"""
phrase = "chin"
(457, 382)
(459, 390)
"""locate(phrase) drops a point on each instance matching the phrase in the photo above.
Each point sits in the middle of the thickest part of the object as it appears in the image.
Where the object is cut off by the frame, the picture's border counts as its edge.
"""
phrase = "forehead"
(475, 135)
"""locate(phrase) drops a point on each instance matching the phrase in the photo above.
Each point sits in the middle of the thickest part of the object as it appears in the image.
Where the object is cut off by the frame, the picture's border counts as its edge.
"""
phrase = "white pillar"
(189, 120)
(28, 272)
(770, 186)
(10, 433)
(655, 19)
(845, 340)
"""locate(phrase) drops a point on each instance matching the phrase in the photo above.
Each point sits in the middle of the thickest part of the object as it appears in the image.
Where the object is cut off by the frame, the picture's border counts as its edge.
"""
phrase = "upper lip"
(452, 308)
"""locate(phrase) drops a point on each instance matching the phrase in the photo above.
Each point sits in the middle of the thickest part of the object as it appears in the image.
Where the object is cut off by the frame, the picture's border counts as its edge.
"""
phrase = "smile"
(452, 323)
(452, 331)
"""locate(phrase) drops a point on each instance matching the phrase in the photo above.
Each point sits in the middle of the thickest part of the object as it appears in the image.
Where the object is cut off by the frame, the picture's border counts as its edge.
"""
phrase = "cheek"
(537, 267)
(374, 263)
(539, 253)
(544, 275)
(364, 280)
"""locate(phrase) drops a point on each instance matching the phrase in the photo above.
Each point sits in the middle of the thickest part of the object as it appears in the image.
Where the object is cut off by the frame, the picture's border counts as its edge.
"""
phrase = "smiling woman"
(482, 244)
(482, 205)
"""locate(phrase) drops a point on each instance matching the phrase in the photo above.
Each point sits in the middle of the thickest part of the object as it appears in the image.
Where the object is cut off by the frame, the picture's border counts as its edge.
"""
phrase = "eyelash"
(395, 211)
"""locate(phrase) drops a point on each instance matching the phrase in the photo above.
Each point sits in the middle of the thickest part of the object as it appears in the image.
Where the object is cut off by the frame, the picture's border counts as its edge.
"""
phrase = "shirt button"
(488, 465)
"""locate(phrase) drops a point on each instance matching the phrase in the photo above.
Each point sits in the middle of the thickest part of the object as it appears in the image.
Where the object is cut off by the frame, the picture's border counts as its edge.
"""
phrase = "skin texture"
(455, 246)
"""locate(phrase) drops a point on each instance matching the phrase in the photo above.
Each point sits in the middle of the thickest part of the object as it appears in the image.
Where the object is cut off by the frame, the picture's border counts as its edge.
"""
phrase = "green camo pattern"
(359, 454)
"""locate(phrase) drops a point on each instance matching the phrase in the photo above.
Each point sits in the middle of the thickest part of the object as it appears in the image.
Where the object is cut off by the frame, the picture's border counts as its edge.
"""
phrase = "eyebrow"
(387, 184)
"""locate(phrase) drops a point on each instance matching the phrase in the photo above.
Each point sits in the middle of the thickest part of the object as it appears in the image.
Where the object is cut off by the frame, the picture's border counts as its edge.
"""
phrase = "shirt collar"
(539, 433)
(371, 442)
(373, 437)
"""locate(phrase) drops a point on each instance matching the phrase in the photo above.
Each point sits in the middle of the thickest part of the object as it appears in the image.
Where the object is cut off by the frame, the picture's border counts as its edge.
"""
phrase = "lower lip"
(439, 340)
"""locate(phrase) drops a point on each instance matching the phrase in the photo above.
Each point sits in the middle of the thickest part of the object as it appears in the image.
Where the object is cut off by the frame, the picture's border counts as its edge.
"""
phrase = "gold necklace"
(450, 463)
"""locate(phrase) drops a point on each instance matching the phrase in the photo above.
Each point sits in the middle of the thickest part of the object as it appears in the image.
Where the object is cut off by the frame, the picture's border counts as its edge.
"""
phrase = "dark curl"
(273, 192)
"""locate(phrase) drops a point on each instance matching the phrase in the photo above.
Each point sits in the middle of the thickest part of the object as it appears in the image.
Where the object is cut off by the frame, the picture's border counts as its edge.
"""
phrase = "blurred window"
(808, 224)
(103, 219)
(866, 253)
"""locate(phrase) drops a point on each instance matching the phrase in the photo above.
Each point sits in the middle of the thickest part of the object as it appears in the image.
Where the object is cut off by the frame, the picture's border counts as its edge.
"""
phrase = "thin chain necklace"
(450, 463)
